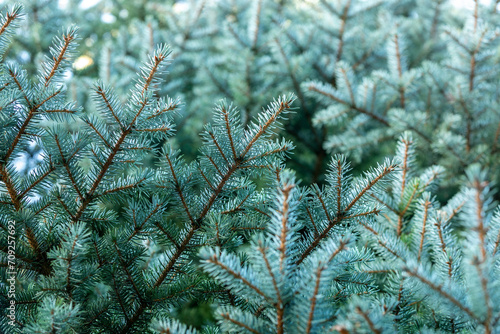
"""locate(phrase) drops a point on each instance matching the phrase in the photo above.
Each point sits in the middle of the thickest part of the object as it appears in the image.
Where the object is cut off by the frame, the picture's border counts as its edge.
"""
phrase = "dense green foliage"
(130, 197)
(362, 71)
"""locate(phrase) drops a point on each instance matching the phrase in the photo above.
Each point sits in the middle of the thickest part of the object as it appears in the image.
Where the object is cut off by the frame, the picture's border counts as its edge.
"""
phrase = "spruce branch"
(279, 304)
(342, 215)
(101, 91)
(439, 290)
(321, 91)
(68, 170)
(158, 60)
(426, 205)
(57, 60)
(368, 320)
(9, 23)
(399, 68)
(343, 21)
(238, 323)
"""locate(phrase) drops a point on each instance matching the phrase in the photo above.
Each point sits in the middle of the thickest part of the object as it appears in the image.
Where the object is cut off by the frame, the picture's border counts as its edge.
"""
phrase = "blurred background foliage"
(248, 51)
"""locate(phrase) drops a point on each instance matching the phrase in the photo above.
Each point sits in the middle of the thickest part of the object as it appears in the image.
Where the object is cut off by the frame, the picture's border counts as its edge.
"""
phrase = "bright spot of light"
(82, 62)
(86, 4)
(180, 7)
(63, 4)
(108, 18)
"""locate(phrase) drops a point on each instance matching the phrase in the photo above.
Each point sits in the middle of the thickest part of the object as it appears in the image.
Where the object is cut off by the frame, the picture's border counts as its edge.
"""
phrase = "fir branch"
(443, 247)
(139, 228)
(476, 16)
(279, 304)
(238, 207)
(87, 199)
(69, 259)
(42, 208)
(65, 111)
(257, 25)
(323, 205)
(48, 98)
(427, 205)
(487, 299)
(100, 91)
(14, 77)
(68, 38)
(97, 158)
(127, 272)
(222, 88)
(238, 323)
(214, 164)
(216, 143)
(343, 21)
(205, 178)
(116, 287)
(283, 105)
(37, 181)
(92, 126)
(10, 187)
(479, 187)
(97, 316)
(316, 233)
(68, 211)
(403, 212)
(68, 170)
(384, 204)
(439, 289)
(404, 169)
(341, 214)
(121, 188)
(385, 171)
(361, 214)
(435, 19)
(339, 100)
(195, 226)
(10, 17)
(284, 222)
(173, 260)
(330, 7)
(179, 191)
(348, 85)
(473, 59)
(261, 212)
(214, 260)
(400, 70)
(184, 290)
(496, 245)
(172, 239)
(158, 59)
(316, 241)
(159, 129)
(236, 36)
(495, 140)
(368, 320)
(386, 246)
(319, 271)
(170, 107)
(468, 119)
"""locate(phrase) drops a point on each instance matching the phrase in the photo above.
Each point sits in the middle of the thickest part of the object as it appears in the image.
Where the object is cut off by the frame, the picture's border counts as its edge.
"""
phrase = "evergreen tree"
(112, 228)
(435, 89)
